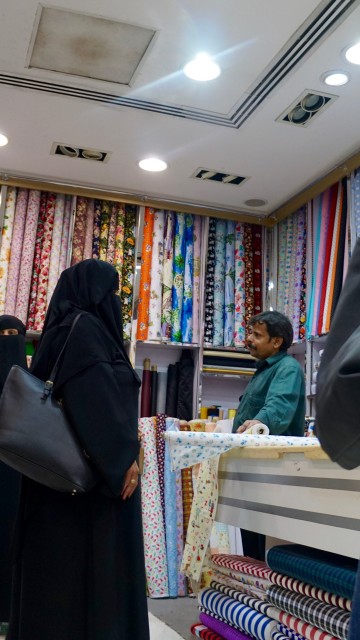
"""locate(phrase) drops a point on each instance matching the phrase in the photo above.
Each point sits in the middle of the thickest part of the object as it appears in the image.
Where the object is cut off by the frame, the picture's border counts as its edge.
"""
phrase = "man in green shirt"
(275, 396)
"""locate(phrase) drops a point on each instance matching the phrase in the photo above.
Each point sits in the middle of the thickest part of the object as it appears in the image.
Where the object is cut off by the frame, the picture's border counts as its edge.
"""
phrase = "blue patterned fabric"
(210, 283)
(355, 615)
(229, 284)
(179, 273)
(171, 516)
(320, 568)
(219, 283)
(289, 633)
(243, 617)
(355, 202)
(187, 309)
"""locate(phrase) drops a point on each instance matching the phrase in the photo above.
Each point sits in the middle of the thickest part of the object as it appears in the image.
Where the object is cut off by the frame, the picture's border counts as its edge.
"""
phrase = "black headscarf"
(90, 286)
(12, 348)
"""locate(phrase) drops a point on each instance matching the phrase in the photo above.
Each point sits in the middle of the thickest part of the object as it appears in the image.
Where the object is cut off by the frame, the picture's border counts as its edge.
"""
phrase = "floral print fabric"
(5, 250)
(157, 256)
(16, 249)
(145, 276)
(178, 281)
(27, 256)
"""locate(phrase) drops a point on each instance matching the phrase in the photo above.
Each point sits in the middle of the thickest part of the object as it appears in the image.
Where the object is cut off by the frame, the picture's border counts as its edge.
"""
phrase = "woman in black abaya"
(12, 351)
(80, 571)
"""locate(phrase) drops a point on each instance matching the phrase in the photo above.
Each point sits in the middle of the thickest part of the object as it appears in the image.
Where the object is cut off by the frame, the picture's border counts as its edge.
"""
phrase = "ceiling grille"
(71, 151)
(218, 176)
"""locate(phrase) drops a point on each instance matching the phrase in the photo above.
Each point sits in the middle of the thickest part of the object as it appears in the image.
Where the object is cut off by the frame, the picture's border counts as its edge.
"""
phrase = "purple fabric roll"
(223, 629)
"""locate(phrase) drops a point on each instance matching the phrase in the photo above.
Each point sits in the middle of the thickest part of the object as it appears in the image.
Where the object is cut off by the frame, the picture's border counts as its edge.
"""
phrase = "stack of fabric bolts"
(299, 594)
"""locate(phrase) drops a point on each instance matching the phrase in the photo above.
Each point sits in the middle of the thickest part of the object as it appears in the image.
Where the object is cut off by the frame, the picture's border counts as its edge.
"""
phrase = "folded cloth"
(243, 587)
(201, 631)
(305, 589)
(289, 633)
(223, 629)
(259, 605)
(245, 578)
(323, 616)
(322, 569)
(243, 564)
(307, 630)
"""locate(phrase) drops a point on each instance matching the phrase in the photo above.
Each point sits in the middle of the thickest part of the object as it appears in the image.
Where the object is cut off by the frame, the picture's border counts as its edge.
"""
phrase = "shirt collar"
(268, 362)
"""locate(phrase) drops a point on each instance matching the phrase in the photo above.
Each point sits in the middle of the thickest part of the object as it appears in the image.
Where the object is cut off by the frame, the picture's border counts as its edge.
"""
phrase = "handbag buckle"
(47, 389)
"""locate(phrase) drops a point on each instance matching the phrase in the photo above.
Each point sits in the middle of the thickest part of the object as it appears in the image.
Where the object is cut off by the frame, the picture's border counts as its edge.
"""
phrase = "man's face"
(260, 344)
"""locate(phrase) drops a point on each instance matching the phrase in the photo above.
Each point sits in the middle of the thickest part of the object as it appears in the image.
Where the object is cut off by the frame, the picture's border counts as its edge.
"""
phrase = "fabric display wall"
(301, 594)
(289, 270)
(355, 205)
(169, 293)
(233, 288)
(327, 247)
(33, 253)
(106, 230)
(165, 508)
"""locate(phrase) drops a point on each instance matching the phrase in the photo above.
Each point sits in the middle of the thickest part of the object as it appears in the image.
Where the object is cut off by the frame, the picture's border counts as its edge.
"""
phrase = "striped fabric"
(321, 569)
(289, 633)
(304, 628)
(218, 626)
(243, 564)
(201, 631)
(277, 635)
(243, 587)
(259, 605)
(308, 590)
(325, 617)
(245, 578)
(243, 617)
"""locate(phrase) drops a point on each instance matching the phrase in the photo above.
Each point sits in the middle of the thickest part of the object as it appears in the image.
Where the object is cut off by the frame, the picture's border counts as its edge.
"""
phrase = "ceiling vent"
(308, 106)
(217, 176)
(61, 149)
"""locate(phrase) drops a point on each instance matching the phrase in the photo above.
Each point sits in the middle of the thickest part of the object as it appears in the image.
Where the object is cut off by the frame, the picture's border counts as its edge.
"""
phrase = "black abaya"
(80, 571)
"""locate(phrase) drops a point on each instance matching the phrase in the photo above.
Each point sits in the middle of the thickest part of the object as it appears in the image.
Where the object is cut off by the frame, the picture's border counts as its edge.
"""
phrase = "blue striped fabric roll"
(289, 633)
(277, 635)
(249, 601)
(243, 617)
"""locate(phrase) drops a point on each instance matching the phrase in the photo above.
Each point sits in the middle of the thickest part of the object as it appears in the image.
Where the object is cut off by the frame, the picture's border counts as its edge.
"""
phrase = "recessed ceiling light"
(152, 164)
(352, 54)
(335, 78)
(3, 140)
(202, 68)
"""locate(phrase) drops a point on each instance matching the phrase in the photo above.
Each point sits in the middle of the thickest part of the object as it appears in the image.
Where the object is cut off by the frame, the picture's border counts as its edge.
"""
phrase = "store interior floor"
(176, 613)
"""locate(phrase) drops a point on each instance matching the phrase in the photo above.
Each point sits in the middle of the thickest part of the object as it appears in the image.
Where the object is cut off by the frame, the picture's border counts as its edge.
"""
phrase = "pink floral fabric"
(79, 231)
(110, 251)
(16, 248)
(41, 297)
(37, 260)
(27, 256)
(119, 242)
(56, 245)
(5, 250)
(104, 228)
(239, 321)
(64, 247)
(153, 524)
(89, 229)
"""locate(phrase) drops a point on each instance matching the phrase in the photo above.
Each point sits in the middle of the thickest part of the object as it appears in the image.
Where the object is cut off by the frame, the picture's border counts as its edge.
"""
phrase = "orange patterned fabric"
(145, 278)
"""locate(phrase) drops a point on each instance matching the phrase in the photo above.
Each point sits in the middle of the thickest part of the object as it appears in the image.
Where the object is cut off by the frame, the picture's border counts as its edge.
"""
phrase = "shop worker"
(275, 396)
(12, 351)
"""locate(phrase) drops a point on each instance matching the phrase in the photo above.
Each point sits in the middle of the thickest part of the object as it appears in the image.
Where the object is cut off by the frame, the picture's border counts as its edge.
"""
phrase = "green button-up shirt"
(275, 396)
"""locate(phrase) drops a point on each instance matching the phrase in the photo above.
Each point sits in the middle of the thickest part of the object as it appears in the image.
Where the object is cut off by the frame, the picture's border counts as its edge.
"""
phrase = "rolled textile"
(153, 524)
(257, 268)
(289, 633)
(78, 239)
(89, 229)
(249, 272)
(178, 281)
(244, 578)
(16, 250)
(239, 319)
(245, 618)
(210, 284)
(161, 396)
(39, 239)
(219, 283)
(41, 295)
(110, 249)
(157, 258)
(154, 385)
(229, 284)
(5, 249)
(242, 564)
(277, 635)
(187, 309)
(145, 403)
(321, 569)
(186, 385)
(168, 275)
(27, 256)
(172, 424)
(145, 276)
(306, 589)
(119, 242)
(104, 229)
(323, 616)
(180, 533)
(218, 626)
(96, 229)
(160, 456)
(196, 279)
(64, 246)
(56, 245)
(307, 630)
(172, 387)
(254, 603)
(258, 429)
(201, 631)
(241, 586)
(128, 269)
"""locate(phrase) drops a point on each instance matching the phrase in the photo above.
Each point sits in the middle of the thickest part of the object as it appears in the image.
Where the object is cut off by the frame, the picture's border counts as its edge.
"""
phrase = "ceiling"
(270, 53)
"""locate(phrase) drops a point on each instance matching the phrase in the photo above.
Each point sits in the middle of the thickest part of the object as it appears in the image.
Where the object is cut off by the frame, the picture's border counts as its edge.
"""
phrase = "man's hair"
(278, 326)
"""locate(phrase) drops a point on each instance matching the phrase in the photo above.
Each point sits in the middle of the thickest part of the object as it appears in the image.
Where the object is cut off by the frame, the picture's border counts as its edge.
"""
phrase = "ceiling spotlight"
(202, 68)
(335, 78)
(3, 140)
(152, 164)
(352, 54)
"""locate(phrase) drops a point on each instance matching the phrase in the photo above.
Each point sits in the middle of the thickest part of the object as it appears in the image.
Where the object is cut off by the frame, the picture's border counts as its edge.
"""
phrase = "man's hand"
(131, 481)
(246, 425)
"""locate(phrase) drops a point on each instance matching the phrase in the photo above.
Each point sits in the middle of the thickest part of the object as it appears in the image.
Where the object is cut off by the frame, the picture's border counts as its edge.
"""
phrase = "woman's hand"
(131, 481)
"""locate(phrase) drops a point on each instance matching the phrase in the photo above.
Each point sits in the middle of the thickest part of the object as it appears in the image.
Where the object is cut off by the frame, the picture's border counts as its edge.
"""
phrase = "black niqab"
(12, 348)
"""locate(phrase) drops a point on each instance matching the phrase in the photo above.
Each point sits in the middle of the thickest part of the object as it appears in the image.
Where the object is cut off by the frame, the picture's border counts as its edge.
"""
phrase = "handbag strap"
(48, 385)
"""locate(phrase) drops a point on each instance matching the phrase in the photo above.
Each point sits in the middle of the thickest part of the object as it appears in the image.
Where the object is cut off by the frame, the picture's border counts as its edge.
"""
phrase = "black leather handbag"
(36, 437)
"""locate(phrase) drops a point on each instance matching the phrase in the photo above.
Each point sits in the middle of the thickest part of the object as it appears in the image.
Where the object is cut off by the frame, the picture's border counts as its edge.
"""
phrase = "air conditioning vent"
(309, 105)
(218, 176)
(70, 151)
